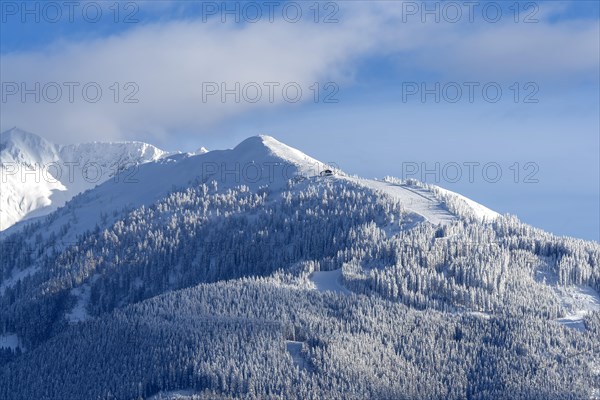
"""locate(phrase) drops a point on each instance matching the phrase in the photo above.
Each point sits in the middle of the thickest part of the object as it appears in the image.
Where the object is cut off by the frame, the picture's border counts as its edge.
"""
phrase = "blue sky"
(374, 62)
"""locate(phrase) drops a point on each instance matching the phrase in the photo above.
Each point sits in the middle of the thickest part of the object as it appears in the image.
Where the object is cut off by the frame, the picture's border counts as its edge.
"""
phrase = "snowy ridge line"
(38, 176)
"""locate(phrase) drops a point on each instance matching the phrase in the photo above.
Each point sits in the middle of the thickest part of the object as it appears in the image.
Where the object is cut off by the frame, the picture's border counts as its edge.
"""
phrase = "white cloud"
(169, 61)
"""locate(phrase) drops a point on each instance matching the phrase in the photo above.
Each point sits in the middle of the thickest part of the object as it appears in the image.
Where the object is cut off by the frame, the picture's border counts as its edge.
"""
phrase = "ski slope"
(413, 199)
(480, 211)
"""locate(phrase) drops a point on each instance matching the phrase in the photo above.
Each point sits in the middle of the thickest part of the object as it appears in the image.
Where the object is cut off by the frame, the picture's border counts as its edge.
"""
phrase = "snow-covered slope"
(37, 176)
(259, 161)
(480, 211)
(207, 255)
(416, 200)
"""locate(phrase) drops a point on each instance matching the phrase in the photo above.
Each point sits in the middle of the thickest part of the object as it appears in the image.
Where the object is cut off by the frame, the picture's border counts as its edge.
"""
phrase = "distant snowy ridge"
(38, 176)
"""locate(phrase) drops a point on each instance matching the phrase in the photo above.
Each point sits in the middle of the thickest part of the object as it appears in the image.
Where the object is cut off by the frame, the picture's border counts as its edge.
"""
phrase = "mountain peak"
(255, 142)
(15, 131)
(19, 136)
(40, 176)
(263, 145)
(17, 145)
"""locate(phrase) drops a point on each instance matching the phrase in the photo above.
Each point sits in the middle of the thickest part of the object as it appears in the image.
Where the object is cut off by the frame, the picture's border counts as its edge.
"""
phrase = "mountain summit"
(19, 146)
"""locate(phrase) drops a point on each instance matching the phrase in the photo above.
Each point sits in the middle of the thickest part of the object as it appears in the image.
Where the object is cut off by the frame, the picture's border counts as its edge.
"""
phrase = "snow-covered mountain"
(261, 272)
(37, 176)
(259, 161)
